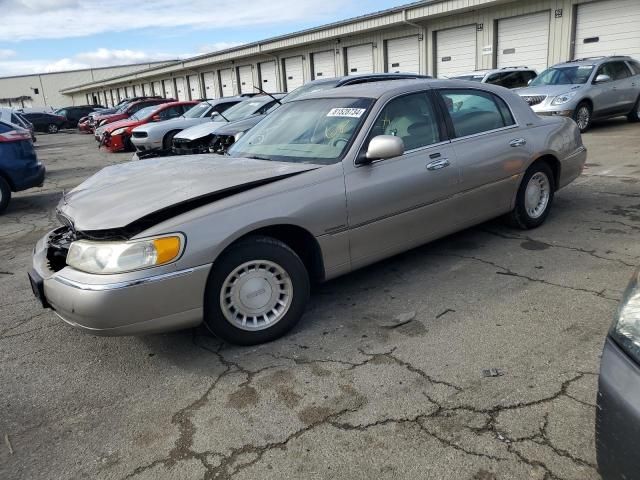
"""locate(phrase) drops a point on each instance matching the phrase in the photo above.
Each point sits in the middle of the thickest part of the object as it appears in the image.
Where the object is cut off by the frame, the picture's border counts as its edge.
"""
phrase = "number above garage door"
(456, 50)
(524, 41)
(403, 55)
(324, 64)
(610, 27)
(360, 59)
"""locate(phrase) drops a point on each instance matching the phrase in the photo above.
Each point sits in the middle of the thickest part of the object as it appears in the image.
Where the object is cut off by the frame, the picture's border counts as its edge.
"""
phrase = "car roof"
(591, 61)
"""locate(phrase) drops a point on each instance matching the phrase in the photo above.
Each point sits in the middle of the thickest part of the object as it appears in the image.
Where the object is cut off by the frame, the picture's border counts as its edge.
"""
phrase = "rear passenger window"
(635, 67)
(410, 117)
(474, 111)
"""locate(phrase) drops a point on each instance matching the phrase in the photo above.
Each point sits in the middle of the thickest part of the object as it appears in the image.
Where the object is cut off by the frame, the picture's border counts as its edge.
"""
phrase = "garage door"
(268, 76)
(182, 88)
(456, 51)
(524, 41)
(157, 88)
(245, 79)
(147, 88)
(611, 27)
(169, 91)
(209, 85)
(360, 59)
(403, 55)
(293, 72)
(324, 64)
(194, 87)
(121, 95)
(226, 82)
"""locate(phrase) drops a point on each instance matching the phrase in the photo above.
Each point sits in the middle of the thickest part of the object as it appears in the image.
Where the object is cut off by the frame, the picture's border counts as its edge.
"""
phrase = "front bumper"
(618, 414)
(136, 303)
(145, 144)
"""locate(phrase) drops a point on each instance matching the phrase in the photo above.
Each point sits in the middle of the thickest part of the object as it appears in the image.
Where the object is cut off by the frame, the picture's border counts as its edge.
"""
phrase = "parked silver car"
(325, 184)
(196, 139)
(587, 89)
(159, 136)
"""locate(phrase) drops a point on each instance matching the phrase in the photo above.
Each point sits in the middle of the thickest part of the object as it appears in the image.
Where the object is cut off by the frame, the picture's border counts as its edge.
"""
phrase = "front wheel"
(256, 292)
(52, 128)
(534, 198)
(167, 141)
(634, 116)
(583, 116)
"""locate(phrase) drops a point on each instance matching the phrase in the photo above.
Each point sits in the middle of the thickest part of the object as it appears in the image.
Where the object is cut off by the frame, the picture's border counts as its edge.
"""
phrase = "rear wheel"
(634, 116)
(5, 194)
(256, 292)
(534, 198)
(52, 128)
(168, 140)
(582, 116)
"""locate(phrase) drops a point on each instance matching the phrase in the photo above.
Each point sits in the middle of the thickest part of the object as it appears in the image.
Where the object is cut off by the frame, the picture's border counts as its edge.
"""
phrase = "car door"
(491, 150)
(627, 86)
(401, 202)
(609, 97)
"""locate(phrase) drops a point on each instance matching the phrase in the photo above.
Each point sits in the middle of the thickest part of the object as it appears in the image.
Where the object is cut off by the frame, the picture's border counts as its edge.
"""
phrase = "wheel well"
(164, 139)
(587, 100)
(554, 164)
(300, 241)
(8, 180)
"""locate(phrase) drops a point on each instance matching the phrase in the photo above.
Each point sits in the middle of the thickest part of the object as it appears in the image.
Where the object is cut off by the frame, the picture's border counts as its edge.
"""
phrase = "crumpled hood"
(119, 195)
(548, 90)
(171, 124)
(200, 131)
(125, 122)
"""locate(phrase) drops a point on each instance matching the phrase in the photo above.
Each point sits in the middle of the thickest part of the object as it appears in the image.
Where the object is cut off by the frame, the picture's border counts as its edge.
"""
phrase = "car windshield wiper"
(225, 118)
(257, 157)
(267, 93)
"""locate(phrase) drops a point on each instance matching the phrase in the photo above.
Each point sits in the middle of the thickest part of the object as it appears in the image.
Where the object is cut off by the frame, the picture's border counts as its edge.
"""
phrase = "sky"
(54, 35)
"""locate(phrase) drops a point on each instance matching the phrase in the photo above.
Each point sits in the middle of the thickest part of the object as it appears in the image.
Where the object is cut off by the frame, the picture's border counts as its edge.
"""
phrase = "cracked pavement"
(348, 394)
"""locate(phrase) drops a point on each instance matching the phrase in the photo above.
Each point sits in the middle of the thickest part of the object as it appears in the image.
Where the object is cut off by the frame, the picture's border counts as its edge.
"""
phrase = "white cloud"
(102, 57)
(42, 19)
(6, 53)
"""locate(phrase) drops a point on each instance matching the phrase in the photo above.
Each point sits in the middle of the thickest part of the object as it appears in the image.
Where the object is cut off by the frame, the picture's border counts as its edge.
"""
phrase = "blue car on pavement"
(19, 165)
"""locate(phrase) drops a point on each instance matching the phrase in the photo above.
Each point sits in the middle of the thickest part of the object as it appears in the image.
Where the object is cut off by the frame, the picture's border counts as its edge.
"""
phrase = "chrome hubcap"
(256, 295)
(582, 118)
(536, 196)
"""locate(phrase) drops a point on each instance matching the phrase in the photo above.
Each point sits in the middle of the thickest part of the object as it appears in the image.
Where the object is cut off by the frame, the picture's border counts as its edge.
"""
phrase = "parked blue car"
(19, 165)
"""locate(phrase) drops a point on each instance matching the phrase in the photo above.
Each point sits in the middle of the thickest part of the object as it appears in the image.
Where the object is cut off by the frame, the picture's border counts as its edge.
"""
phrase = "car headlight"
(118, 257)
(626, 326)
(119, 131)
(564, 98)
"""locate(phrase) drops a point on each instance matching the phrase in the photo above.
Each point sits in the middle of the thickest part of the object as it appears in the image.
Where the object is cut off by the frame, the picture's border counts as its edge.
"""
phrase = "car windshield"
(573, 75)
(310, 87)
(198, 111)
(145, 112)
(315, 131)
(242, 109)
(469, 78)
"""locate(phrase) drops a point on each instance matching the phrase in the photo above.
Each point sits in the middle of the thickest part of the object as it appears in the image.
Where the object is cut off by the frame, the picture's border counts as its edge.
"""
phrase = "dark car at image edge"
(19, 165)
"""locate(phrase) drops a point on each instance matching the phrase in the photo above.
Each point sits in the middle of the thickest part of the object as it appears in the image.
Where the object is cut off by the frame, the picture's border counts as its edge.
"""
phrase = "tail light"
(14, 136)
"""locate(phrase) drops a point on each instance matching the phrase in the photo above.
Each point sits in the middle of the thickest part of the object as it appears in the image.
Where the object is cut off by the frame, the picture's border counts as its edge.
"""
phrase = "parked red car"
(128, 110)
(83, 125)
(117, 135)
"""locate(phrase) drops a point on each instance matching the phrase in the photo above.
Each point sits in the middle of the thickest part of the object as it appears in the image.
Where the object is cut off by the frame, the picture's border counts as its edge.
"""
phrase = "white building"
(43, 89)
(435, 37)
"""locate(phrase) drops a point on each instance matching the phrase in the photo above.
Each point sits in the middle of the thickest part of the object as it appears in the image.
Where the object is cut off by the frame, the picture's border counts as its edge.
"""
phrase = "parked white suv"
(508, 77)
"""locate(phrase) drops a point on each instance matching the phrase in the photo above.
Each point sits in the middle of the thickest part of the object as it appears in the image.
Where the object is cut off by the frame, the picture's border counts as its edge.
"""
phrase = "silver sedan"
(326, 184)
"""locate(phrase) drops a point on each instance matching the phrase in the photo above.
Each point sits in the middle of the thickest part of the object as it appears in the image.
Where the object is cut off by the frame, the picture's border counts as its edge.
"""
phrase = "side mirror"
(381, 148)
(603, 78)
(156, 118)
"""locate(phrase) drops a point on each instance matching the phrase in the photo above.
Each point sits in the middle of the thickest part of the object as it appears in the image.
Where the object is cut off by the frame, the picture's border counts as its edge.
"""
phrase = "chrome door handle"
(438, 164)
(518, 142)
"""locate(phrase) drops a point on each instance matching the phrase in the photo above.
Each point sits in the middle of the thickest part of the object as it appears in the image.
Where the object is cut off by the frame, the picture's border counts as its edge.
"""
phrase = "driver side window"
(410, 117)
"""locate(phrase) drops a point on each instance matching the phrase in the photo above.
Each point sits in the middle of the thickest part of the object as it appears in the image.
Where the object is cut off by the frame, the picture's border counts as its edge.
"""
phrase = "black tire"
(167, 141)
(634, 115)
(5, 195)
(52, 128)
(520, 217)
(583, 108)
(258, 248)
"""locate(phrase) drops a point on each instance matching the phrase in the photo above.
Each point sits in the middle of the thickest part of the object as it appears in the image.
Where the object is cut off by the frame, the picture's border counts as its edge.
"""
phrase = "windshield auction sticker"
(346, 112)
